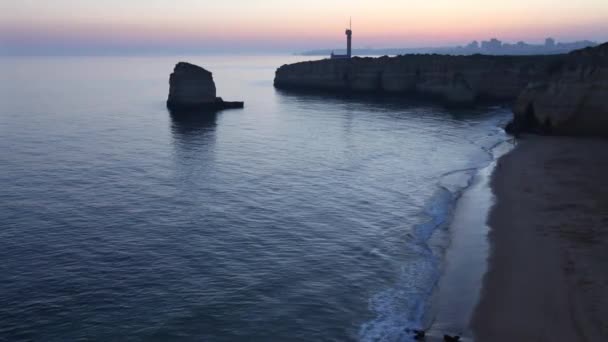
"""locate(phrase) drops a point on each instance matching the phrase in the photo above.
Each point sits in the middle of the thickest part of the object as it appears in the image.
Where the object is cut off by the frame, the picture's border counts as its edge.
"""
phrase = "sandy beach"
(548, 268)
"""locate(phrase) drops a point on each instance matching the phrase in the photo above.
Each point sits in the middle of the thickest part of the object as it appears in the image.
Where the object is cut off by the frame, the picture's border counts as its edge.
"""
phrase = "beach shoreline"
(465, 257)
(546, 277)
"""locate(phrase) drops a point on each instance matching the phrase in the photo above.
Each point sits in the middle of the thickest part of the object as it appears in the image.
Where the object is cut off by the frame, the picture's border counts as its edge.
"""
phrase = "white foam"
(402, 307)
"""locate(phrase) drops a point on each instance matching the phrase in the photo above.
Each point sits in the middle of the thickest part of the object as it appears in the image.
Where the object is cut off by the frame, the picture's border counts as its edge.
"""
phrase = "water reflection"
(388, 103)
(192, 124)
(193, 133)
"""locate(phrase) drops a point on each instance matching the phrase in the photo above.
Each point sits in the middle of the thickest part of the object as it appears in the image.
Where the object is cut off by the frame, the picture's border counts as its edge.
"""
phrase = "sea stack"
(192, 87)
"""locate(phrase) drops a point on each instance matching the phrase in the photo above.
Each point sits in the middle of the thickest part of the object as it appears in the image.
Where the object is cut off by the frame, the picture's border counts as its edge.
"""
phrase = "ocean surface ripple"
(300, 218)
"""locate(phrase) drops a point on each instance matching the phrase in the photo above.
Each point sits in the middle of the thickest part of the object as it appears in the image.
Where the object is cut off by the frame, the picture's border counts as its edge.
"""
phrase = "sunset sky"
(95, 26)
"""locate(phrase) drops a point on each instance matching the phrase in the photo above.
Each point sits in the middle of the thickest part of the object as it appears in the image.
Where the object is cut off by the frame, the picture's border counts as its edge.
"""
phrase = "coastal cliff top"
(600, 50)
(597, 56)
(434, 58)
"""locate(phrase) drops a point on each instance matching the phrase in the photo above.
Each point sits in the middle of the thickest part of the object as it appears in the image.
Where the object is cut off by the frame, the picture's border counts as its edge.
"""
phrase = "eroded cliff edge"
(455, 80)
(571, 100)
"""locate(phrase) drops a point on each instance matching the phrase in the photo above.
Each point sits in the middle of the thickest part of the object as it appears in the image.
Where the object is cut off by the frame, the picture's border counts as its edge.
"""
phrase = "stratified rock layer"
(457, 80)
(572, 100)
(192, 87)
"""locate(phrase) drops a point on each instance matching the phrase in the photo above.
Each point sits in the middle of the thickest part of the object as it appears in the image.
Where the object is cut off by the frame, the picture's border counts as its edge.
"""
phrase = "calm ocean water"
(300, 218)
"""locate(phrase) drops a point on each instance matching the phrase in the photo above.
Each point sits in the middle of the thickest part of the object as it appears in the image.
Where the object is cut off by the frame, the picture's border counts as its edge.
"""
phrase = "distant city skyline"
(163, 26)
(491, 46)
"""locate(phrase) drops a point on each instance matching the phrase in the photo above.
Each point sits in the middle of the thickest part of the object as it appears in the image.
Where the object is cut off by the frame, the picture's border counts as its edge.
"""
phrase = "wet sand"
(548, 268)
(464, 262)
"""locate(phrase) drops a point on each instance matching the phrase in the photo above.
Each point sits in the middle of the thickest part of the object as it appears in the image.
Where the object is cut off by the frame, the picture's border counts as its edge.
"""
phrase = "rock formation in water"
(192, 87)
(571, 100)
(455, 80)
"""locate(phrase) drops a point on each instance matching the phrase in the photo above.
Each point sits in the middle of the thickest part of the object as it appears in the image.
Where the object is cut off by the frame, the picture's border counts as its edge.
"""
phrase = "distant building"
(473, 45)
(493, 44)
(349, 44)
(488, 47)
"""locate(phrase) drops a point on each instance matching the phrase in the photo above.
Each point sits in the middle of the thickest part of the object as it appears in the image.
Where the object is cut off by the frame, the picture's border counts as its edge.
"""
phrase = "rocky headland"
(454, 80)
(558, 94)
(192, 87)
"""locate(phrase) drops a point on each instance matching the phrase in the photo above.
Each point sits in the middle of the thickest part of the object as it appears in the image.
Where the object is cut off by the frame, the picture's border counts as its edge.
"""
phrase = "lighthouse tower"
(349, 39)
(349, 44)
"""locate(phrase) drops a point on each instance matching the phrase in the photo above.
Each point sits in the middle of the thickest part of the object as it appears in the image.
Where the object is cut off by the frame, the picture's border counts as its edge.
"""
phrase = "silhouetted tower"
(349, 44)
(349, 39)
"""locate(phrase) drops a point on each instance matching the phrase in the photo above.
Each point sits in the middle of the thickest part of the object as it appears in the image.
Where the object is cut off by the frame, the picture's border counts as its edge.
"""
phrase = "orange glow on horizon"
(304, 24)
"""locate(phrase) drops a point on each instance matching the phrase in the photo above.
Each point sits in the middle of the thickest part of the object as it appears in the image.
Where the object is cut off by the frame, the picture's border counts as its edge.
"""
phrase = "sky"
(165, 26)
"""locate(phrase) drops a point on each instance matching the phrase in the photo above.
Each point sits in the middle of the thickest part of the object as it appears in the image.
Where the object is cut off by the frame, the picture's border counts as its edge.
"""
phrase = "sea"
(302, 217)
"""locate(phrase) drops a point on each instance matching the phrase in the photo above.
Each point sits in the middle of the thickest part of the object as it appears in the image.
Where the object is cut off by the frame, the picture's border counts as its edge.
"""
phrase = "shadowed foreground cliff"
(571, 100)
(456, 80)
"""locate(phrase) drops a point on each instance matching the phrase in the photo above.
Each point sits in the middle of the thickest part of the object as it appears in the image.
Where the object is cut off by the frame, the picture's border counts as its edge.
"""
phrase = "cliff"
(192, 87)
(457, 80)
(571, 100)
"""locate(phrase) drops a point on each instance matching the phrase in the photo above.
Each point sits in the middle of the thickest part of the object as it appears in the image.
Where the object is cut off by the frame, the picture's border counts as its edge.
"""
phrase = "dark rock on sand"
(192, 87)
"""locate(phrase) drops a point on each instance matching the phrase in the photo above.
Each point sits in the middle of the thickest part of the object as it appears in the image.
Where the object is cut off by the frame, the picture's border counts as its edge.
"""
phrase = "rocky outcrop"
(571, 100)
(192, 87)
(559, 94)
(456, 80)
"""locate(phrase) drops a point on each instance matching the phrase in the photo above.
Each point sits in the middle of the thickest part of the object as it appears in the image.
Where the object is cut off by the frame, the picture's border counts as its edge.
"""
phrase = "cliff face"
(457, 80)
(572, 100)
(192, 87)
